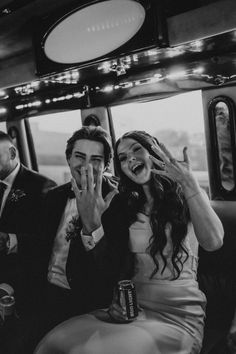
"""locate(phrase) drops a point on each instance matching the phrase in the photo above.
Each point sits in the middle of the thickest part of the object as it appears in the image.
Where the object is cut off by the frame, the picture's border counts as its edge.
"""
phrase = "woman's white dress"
(172, 316)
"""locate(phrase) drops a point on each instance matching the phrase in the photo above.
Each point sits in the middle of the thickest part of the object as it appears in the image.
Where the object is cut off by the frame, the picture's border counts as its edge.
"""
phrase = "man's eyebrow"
(83, 154)
(79, 152)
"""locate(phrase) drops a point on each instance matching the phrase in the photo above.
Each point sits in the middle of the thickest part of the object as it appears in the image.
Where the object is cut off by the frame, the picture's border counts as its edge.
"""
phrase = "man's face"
(6, 159)
(86, 152)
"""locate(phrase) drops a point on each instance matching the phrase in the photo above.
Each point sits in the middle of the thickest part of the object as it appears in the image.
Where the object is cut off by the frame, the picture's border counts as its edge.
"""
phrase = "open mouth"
(136, 169)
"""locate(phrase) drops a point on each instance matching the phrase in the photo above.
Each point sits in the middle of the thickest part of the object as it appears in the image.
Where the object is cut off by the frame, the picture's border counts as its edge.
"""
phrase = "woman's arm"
(207, 226)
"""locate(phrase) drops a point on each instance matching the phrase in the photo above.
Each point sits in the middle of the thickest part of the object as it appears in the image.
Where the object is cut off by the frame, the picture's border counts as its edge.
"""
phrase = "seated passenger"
(167, 215)
(74, 232)
(73, 253)
(21, 196)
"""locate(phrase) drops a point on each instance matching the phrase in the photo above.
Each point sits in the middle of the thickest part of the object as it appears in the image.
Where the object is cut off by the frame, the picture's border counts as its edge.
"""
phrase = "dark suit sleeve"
(30, 250)
(47, 185)
(93, 274)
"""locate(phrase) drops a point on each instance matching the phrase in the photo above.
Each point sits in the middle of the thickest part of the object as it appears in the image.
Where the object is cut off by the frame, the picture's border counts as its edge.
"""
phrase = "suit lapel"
(19, 180)
(58, 205)
(17, 184)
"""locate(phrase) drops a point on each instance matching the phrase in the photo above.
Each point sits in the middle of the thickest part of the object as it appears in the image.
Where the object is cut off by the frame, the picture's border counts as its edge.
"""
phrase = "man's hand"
(4, 237)
(90, 202)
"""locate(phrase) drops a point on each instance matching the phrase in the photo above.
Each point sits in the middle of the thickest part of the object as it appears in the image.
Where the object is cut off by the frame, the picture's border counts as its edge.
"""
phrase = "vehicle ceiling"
(208, 60)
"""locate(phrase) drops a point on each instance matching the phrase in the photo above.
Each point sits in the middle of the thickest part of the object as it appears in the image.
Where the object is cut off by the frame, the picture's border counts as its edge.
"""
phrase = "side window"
(176, 121)
(50, 133)
(3, 127)
(223, 143)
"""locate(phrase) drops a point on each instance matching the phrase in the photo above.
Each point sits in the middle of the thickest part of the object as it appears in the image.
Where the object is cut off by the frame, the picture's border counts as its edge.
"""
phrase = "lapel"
(17, 184)
(20, 178)
(55, 208)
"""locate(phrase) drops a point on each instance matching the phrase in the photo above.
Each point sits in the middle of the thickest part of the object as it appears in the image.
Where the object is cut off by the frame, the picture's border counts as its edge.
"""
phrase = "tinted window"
(50, 134)
(176, 121)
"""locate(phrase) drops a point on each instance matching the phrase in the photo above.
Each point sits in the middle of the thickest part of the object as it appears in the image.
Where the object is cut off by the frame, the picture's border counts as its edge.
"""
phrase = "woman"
(168, 215)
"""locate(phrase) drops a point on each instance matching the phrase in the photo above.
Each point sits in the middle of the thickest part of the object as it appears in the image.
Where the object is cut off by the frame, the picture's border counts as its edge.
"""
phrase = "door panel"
(217, 270)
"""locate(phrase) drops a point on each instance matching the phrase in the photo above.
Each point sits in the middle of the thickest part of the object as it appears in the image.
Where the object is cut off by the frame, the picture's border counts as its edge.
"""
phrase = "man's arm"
(98, 270)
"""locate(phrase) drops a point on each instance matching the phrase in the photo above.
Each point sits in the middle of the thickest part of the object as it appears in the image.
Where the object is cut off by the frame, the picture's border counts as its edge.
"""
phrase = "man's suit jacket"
(91, 274)
(21, 216)
(24, 202)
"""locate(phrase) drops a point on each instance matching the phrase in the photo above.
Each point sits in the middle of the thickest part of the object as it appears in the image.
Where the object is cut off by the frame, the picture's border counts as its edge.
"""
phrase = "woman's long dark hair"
(169, 207)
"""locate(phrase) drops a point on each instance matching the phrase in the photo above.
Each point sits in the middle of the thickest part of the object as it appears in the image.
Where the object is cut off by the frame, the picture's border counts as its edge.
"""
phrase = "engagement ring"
(172, 160)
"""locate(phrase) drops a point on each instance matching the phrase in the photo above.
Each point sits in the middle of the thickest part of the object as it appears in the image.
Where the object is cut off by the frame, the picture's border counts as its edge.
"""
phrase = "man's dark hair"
(93, 134)
(5, 137)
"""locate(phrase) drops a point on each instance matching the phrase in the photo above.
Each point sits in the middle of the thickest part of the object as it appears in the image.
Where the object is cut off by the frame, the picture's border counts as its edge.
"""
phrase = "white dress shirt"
(57, 264)
(9, 180)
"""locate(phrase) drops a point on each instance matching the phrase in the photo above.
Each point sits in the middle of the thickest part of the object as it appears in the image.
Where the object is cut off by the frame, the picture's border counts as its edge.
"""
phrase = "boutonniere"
(73, 228)
(16, 194)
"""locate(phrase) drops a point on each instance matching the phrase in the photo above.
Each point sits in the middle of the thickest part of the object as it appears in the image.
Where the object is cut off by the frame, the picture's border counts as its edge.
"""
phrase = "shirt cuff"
(90, 241)
(12, 244)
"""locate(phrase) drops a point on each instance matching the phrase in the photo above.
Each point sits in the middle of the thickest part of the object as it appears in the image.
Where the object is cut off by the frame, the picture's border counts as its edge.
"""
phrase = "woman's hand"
(117, 313)
(179, 171)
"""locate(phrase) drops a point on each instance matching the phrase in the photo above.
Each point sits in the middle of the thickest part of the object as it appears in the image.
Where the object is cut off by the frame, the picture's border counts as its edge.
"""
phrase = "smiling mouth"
(137, 168)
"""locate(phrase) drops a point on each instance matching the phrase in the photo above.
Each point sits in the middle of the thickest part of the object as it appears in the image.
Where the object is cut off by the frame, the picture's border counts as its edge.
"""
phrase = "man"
(81, 241)
(21, 195)
(79, 233)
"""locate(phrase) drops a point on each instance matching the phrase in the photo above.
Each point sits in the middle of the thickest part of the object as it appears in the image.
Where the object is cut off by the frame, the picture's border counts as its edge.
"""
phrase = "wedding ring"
(172, 160)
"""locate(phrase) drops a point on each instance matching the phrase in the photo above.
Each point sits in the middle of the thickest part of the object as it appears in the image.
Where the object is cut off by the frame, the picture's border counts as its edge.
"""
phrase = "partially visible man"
(21, 196)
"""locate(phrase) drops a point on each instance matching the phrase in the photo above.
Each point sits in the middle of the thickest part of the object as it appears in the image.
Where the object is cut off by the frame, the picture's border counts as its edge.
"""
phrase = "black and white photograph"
(117, 177)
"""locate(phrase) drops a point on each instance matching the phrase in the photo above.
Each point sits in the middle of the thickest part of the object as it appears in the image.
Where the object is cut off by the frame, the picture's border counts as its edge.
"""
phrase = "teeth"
(133, 169)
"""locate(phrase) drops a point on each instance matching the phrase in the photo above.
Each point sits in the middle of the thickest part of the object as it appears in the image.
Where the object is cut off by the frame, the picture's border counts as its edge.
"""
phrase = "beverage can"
(127, 298)
(7, 307)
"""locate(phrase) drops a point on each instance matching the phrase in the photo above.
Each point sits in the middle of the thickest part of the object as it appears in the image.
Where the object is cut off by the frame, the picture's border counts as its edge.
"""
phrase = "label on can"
(6, 289)
(127, 298)
(7, 306)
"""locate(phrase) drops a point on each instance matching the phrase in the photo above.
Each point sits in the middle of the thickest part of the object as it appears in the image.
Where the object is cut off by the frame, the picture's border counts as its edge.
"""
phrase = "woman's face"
(134, 161)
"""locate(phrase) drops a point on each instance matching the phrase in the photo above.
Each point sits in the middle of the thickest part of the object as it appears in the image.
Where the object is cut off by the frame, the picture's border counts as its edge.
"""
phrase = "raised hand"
(179, 171)
(90, 202)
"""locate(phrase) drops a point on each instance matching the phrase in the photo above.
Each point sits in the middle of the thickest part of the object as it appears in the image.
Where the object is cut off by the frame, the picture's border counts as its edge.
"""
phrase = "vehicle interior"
(131, 64)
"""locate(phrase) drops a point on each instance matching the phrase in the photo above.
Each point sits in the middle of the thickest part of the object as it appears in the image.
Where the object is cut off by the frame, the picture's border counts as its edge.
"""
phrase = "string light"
(3, 110)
